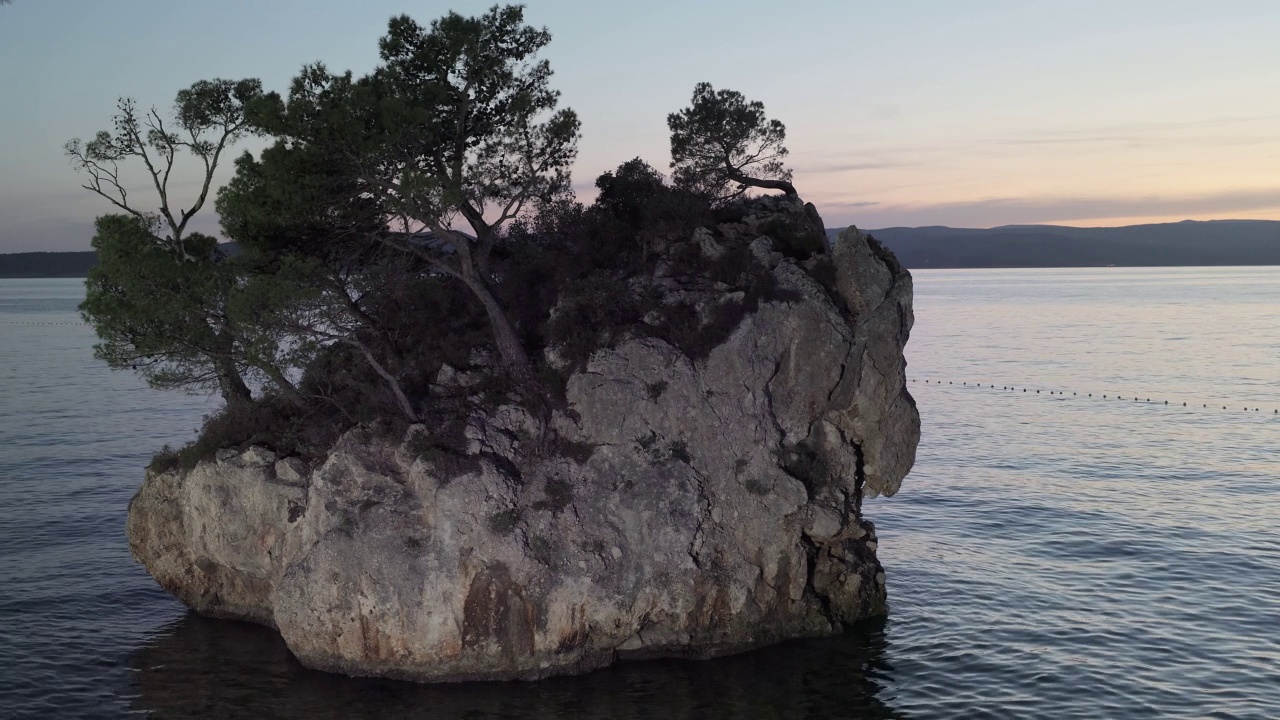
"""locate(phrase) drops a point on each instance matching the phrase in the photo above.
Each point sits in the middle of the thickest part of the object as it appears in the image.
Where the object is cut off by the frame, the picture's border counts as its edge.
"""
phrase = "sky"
(898, 112)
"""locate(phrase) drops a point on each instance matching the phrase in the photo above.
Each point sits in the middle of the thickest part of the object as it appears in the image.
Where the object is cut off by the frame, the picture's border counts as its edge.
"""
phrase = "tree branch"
(782, 185)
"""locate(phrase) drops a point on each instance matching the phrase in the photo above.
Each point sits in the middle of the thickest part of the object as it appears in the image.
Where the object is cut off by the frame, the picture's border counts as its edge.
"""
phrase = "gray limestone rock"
(292, 471)
(685, 508)
(707, 243)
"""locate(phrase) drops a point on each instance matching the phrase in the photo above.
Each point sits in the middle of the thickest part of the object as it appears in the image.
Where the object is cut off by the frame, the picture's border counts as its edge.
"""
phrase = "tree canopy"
(152, 314)
(457, 126)
(723, 144)
(158, 296)
(206, 118)
(408, 221)
(626, 192)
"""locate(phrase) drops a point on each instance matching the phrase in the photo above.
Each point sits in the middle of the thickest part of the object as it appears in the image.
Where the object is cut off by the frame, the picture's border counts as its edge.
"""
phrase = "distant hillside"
(1216, 242)
(59, 264)
(47, 264)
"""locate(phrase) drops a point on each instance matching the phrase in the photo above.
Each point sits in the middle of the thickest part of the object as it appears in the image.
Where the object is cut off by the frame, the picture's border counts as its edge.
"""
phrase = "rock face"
(683, 508)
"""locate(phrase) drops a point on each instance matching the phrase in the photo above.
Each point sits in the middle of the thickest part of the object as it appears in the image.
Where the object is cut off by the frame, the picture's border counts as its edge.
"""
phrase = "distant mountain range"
(58, 264)
(47, 264)
(1213, 242)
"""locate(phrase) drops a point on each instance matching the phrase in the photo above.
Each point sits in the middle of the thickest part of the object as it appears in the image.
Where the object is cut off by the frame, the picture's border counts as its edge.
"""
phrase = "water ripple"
(1049, 556)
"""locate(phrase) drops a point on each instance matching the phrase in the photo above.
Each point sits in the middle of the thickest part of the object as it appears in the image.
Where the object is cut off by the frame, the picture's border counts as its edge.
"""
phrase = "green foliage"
(581, 260)
(594, 312)
(157, 314)
(676, 213)
(795, 242)
(542, 549)
(722, 144)
(345, 309)
(214, 105)
(458, 124)
(270, 422)
(558, 494)
(472, 92)
(628, 193)
(589, 256)
(300, 199)
(207, 118)
(504, 522)
(590, 263)
(158, 300)
(696, 333)
(165, 460)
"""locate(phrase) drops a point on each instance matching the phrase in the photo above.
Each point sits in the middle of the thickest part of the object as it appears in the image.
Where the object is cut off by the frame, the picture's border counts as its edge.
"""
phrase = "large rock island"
(675, 501)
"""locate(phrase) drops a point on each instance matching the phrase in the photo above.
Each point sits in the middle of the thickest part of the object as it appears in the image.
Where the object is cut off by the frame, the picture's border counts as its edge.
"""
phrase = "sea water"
(1054, 554)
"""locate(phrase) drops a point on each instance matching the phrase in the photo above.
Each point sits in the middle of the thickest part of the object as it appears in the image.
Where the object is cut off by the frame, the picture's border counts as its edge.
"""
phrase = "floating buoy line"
(37, 322)
(963, 383)
(1108, 396)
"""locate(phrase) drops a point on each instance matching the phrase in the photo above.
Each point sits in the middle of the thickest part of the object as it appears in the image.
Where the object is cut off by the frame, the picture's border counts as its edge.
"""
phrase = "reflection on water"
(211, 668)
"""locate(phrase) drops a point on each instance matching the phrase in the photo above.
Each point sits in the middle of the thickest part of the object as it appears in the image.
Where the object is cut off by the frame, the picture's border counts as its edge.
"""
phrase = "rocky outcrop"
(679, 506)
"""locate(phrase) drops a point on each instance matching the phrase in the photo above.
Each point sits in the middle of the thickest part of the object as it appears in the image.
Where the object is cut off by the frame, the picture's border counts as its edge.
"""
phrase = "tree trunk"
(289, 389)
(229, 381)
(231, 384)
(470, 272)
(782, 185)
(504, 334)
(403, 400)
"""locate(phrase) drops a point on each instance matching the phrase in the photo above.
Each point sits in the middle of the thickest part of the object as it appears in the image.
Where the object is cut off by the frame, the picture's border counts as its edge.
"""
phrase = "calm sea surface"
(1052, 555)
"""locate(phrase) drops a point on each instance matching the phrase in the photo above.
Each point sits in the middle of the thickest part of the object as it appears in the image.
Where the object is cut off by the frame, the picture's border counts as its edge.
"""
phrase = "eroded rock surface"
(685, 508)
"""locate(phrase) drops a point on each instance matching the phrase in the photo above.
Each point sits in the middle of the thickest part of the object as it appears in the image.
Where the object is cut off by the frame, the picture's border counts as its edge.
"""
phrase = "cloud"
(1209, 132)
(1162, 126)
(852, 204)
(991, 212)
(1152, 140)
(960, 148)
(839, 167)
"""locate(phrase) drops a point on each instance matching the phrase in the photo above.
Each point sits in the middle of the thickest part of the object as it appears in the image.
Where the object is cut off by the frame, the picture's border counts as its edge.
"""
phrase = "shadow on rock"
(212, 668)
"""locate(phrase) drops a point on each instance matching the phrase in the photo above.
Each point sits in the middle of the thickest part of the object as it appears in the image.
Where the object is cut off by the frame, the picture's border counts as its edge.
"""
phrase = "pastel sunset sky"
(968, 114)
